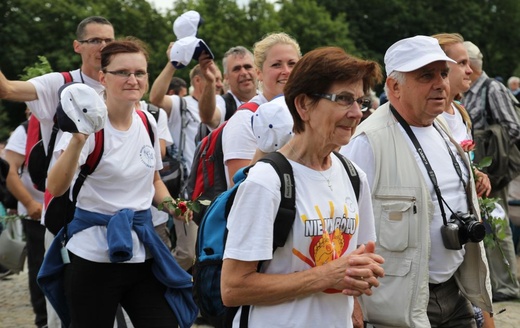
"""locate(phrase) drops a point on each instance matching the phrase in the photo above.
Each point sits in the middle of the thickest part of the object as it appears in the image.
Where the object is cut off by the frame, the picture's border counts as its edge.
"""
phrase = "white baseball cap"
(80, 109)
(186, 49)
(187, 24)
(409, 54)
(272, 125)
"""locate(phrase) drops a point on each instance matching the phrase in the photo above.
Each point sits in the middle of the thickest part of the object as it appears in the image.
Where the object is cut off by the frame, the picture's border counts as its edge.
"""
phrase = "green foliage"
(32, 28)
(376, 24)
(39, 68)
(313, 26)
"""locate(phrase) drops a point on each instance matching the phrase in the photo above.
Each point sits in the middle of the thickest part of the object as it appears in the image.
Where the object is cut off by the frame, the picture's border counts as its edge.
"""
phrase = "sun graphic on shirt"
(332, 242)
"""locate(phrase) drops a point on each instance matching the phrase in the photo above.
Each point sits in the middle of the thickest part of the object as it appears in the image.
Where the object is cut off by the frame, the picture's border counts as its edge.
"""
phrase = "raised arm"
(62, 172)
(209, 114)
(158, 95)
(16, 90)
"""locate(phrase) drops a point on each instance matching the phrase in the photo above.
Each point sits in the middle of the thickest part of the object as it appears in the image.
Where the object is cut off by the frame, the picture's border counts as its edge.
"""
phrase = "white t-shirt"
(160, 217)
(272, 125)
(443, 262)
(459, 130)
(238, 140)
(123, 179)
(251, 234)
(16, 144)
(47, 87)
(191, 125)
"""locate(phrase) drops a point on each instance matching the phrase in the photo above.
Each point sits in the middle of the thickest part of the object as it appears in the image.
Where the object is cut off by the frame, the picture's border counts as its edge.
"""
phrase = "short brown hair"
(319, 69)
(127, 45)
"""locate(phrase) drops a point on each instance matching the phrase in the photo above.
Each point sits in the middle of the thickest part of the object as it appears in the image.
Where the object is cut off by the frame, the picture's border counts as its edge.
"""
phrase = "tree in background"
(490, 24)
(365, 28)
(32, 27)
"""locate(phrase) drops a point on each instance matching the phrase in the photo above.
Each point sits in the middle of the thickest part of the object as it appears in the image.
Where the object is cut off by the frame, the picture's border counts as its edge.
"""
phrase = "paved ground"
(16, 311)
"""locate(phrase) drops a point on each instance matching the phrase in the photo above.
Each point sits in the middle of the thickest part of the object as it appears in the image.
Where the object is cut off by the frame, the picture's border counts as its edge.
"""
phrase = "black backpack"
(37, 159)
(4, 172)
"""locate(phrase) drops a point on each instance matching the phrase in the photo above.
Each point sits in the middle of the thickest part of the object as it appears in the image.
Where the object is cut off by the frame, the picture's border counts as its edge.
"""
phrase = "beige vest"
(403, 210)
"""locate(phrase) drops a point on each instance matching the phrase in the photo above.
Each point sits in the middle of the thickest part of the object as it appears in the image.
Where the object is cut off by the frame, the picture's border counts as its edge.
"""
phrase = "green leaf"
(195, 207)
(485, 162)
(205, 202)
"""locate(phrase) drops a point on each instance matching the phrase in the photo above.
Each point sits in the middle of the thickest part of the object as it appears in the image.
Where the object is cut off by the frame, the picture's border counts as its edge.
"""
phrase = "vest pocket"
(396, 224)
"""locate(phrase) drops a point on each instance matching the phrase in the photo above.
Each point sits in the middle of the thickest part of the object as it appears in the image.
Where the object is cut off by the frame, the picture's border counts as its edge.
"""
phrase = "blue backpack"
(212, 235)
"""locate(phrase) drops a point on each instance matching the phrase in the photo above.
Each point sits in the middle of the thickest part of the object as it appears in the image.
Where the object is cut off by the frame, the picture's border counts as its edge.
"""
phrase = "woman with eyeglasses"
(311, 280)
(145, 280)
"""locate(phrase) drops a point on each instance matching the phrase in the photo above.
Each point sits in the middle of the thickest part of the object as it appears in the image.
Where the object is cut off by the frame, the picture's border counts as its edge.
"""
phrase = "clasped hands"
(359, 271)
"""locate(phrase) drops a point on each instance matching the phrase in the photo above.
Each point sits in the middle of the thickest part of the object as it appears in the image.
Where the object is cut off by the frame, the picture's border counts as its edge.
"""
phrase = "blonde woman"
(274, 57)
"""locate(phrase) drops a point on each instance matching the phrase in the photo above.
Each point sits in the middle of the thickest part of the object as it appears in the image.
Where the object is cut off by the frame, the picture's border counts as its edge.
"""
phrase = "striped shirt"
(500, 103)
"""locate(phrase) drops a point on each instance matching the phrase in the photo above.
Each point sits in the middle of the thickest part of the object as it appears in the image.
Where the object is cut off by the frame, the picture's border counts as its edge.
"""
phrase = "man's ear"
(75, 45)
(393, 87)
(101, 78)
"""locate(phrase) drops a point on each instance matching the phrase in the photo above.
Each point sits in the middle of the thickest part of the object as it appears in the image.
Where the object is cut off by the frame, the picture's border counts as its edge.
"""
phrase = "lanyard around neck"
(426, 162)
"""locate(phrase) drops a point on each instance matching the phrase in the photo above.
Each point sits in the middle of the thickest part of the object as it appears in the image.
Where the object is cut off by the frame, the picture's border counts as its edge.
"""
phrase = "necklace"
(299, 160)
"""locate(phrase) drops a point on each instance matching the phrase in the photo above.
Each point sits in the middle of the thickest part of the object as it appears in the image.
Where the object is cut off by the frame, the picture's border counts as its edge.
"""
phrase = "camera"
(461, 228)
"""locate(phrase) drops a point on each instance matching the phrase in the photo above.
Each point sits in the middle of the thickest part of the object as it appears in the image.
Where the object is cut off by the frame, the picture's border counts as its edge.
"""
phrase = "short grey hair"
(400, 77)
(512, 80)
(235, 51)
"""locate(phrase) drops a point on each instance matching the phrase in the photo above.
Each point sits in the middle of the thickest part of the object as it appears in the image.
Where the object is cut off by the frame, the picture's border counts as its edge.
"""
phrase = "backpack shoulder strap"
(250, 105)
(67, 77)
(33, 135)
(91, 163)
(287, 211)
(352, 173)
(147, 125)
(154, 110)
(488, 114)
(231, 105)
(184, 120)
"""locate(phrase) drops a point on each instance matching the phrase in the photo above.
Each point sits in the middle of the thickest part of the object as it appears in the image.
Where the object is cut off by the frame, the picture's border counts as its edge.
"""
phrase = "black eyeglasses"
(346, 100)
(96, 41)
(126, 74)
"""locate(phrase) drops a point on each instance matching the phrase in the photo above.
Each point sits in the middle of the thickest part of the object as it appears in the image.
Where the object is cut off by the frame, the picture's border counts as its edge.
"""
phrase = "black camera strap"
(426, 162)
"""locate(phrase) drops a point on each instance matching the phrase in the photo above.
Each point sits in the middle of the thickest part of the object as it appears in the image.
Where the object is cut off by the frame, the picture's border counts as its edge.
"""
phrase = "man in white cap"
(419, 176)
(488, 102)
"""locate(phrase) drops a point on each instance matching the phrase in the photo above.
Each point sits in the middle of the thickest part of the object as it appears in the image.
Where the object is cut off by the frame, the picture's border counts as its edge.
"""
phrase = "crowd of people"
(406, 252)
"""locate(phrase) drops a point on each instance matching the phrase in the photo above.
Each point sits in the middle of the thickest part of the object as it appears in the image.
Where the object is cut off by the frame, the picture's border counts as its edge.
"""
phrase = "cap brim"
(202, 46)
(417, 63)
(186, 49)
(64, 121)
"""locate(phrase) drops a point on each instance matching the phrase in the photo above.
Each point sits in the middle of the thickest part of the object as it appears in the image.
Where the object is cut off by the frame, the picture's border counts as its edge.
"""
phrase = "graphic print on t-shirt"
(330, 236)
(147, 155)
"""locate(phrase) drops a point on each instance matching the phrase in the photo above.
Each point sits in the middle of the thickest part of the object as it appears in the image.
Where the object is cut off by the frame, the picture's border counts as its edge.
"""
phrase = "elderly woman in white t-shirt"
(311, 280)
